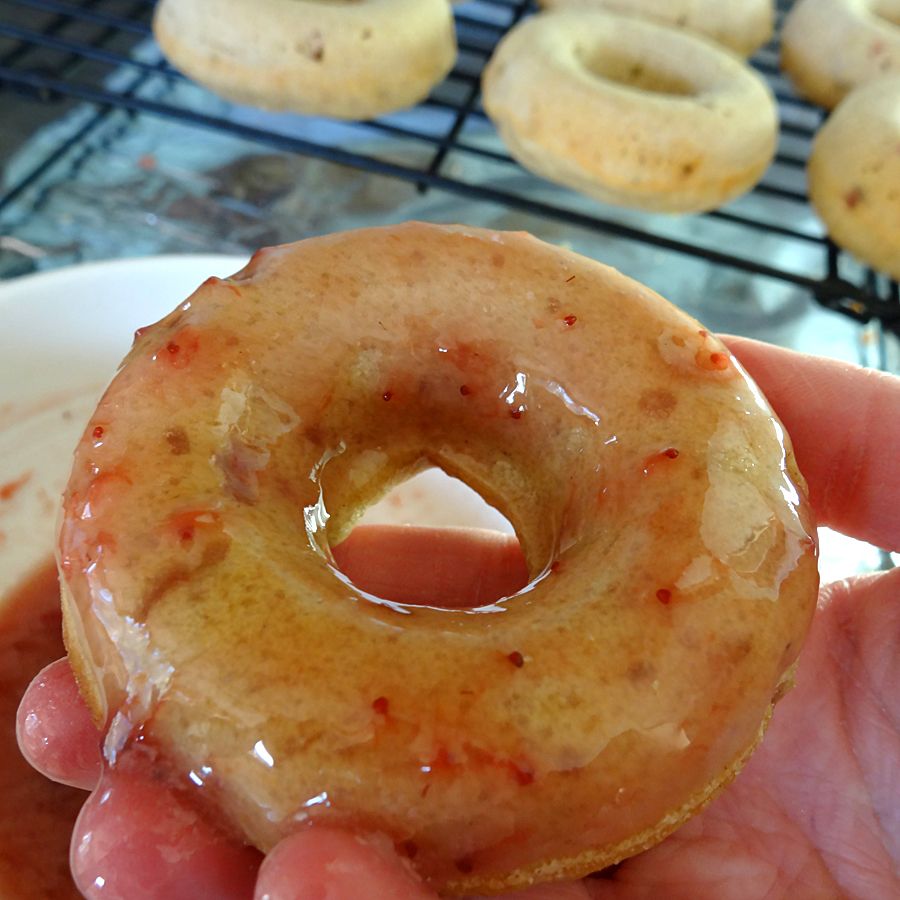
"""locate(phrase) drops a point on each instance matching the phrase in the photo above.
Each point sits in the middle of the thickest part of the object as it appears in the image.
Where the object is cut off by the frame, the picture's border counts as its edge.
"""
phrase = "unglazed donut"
(829, 47)
(345, 60)
(543, 736)
(629, 111)
(854, 174)
(741, 26)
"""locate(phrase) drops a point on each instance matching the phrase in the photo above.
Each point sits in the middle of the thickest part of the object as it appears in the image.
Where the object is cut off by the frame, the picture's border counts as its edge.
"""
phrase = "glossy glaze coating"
(656, 497)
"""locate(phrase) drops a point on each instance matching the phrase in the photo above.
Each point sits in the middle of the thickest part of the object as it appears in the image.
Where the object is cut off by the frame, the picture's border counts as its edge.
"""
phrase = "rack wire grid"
(100, 52)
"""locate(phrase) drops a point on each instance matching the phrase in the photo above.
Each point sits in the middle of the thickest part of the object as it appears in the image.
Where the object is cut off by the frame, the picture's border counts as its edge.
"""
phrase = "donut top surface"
(665, 525)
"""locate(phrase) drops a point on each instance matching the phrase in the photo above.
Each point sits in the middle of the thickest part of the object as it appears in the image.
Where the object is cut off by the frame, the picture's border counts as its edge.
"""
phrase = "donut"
(665, 525)
(344, 60)
(829, 47)
(630, 112)
(742, 27)
(854, 174)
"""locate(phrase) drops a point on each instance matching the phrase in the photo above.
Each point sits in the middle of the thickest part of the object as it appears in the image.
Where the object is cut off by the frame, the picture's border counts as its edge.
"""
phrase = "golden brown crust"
(630, 112)
(854, 174)
(346, 61)
(830, 47)
(742, 27)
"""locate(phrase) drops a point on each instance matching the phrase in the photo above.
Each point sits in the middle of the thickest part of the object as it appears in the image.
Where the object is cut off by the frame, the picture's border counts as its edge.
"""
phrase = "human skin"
(813, 814)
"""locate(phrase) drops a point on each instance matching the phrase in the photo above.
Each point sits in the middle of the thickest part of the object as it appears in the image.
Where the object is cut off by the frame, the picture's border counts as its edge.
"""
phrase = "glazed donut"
(854, 174)
(741, 26)
(577, 99)
(345, 60)
(829, 47)
(545, 735)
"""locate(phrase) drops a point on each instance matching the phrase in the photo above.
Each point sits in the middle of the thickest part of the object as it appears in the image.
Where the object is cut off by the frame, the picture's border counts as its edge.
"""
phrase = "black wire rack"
(100, 52)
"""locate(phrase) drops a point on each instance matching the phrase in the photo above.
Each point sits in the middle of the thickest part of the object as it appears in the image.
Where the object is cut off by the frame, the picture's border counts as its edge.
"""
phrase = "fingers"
(325, 863)
(55, 731)
(137, 840)
(433, 566)
(844, 422)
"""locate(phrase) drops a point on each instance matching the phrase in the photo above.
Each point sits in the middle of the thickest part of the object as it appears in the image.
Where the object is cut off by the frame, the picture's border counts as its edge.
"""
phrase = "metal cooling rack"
(100, 52)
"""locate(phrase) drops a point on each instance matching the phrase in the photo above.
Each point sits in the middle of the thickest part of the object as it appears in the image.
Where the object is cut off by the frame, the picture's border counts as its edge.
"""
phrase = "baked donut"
(741, 26)
(829, 47)
(345, 60)
(542, 736)
(629, 111)
(854, 174)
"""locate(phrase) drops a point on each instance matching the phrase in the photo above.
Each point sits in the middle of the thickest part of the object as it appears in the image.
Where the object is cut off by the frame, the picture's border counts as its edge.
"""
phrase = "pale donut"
(854, 174)
(741, 26)
(629, 111)
(347, 60)
(544, 736)
(829, 47)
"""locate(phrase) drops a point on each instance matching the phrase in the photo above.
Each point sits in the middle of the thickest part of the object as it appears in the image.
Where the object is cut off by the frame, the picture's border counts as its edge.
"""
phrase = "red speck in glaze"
(186, 523)
(516, 659)
(664, 595)
(555, 566)
(387, 395)
(570, 320)
(853, 197)
(712, 362)
(180, 349)
(381, 705)
(11, 488)
(703, 333)
(465, 865)
(465, 390)
(522, 777)
(97, 433)
(516, 413)
(651, 462)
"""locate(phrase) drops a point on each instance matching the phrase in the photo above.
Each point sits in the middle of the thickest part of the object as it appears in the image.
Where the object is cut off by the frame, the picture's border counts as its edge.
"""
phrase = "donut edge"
(584, 864)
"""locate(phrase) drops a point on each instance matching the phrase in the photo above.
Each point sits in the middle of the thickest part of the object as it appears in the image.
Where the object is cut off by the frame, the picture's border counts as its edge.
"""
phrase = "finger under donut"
(137, 840)
(55, 731)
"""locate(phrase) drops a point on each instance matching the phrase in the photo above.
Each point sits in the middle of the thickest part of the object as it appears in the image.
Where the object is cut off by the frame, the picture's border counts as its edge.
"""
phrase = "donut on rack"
(829, 47)
(344, 60)
(629, 111)
(854, 174)
(741, 26)
(542, 736)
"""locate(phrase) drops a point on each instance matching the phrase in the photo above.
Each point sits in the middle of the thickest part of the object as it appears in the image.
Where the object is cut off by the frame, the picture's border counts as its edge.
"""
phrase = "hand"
(813, 814)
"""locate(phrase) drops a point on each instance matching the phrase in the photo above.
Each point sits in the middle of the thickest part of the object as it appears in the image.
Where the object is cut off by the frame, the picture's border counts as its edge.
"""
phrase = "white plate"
(62, 335)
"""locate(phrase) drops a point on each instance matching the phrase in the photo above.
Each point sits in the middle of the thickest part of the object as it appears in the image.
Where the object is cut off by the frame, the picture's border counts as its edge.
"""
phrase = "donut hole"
(414, 546)
(637, 72)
